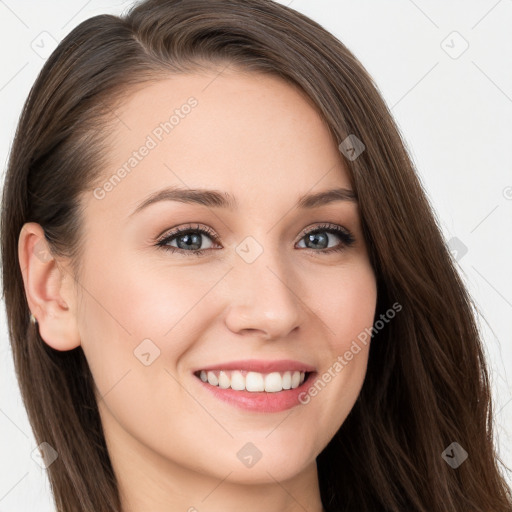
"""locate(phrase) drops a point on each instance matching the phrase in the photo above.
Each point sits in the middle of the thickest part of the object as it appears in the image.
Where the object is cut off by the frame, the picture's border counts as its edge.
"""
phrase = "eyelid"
(324, 226)
(172, 232)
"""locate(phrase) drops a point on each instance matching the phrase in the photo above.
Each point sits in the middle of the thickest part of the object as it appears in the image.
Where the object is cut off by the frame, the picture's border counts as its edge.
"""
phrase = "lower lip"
(261, 401)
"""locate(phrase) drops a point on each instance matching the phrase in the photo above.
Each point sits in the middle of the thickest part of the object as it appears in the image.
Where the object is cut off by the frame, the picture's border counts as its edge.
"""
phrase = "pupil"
(189, 240)
(316, 236)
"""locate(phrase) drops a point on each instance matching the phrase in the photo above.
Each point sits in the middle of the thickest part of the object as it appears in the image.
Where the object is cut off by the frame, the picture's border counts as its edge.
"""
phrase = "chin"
(271, 460)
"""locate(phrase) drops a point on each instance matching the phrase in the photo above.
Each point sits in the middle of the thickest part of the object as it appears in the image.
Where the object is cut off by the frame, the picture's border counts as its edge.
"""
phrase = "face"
(259, 283)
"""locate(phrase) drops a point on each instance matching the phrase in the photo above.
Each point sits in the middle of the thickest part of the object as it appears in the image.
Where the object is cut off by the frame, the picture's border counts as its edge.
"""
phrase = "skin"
(174, 445)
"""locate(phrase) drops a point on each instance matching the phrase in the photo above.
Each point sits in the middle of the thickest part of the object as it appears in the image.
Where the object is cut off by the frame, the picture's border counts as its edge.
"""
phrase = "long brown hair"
(427, 382)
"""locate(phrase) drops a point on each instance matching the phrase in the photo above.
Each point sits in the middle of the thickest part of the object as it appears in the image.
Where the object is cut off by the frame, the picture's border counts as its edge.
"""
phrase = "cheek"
(347, 311)
(347, 303)
(130, 302)
(138, 312)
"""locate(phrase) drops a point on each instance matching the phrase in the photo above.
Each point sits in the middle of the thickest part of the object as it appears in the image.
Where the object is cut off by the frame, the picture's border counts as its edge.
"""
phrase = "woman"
(224, 284)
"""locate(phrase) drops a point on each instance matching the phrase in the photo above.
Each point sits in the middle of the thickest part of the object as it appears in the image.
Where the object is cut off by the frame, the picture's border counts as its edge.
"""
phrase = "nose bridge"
(261, 291)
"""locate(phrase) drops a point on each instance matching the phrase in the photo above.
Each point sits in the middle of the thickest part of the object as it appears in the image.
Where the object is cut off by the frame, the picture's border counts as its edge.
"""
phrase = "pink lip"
(261, 366)
(260, 401)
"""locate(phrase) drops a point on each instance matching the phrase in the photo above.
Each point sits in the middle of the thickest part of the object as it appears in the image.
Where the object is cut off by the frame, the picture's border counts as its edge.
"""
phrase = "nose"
(263, 298)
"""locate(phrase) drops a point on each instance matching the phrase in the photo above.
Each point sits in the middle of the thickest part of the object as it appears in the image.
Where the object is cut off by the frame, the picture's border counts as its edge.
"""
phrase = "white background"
(455, 112)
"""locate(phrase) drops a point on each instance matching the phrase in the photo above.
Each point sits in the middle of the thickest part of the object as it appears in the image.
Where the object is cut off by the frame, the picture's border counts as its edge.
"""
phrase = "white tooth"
(212, 379)
(273, 382)
(287, 380)
(295, 379)
(224, 380)
(237, 381)
(254, 382)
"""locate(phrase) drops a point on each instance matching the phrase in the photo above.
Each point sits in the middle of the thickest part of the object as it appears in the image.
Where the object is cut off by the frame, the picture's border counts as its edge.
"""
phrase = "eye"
(317, 237)
(188, 239)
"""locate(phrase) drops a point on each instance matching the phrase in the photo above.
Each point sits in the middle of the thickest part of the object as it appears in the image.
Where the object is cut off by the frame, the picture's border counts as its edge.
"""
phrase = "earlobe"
(49, 290)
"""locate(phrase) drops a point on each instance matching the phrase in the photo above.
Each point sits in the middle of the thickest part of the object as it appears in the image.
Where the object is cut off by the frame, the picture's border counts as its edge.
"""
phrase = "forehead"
(251, 134)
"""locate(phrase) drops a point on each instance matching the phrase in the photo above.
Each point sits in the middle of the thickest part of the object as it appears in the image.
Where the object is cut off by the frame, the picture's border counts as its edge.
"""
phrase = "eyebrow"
(219, 199)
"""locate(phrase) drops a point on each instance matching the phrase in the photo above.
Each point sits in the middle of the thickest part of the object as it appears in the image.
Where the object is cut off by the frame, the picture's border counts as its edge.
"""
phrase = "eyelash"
(345, 235)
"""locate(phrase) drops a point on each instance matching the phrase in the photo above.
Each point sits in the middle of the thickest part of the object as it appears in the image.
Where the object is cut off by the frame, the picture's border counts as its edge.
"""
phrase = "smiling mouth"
(243, 380)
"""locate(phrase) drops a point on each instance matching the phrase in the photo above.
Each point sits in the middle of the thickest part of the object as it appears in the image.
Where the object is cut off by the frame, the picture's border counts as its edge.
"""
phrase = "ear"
(50, 289)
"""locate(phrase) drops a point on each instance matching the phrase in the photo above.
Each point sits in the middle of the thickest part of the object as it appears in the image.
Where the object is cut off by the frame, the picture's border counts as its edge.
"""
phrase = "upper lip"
(261, 366)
